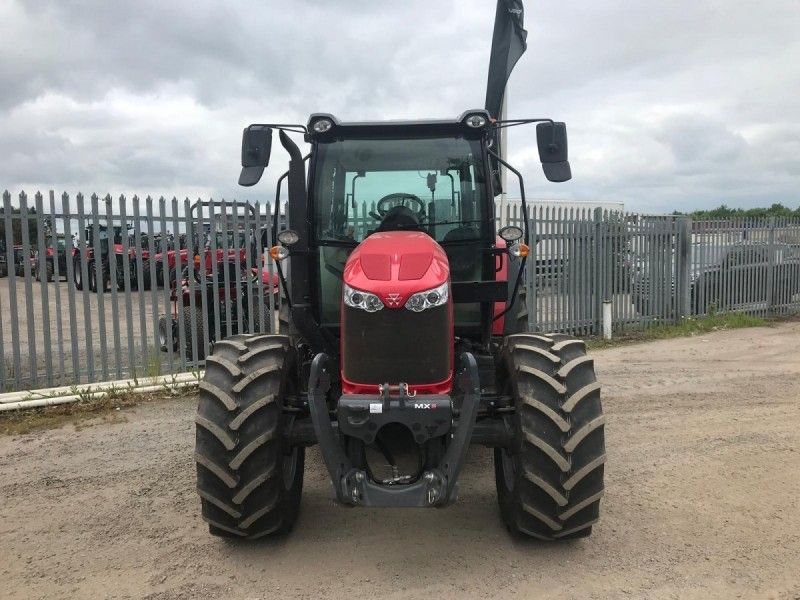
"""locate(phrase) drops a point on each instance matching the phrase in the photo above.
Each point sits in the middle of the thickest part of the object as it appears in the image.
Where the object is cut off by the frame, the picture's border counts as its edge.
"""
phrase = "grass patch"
(685, 328)
(83, 413)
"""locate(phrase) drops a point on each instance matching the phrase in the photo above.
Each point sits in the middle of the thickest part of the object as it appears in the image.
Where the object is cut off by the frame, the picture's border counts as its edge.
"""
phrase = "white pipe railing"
(67, 394)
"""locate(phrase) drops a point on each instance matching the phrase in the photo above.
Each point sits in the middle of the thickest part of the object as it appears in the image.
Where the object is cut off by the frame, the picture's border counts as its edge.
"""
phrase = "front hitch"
(436, 486)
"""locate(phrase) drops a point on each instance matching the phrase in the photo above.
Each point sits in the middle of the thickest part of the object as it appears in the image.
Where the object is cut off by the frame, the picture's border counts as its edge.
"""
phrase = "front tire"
(48, 271)
(92, 276)
(549, 483)
(518, 315)
(77, 275)
(248, 479)
(95, 286)
(187, 331)
(132, 277)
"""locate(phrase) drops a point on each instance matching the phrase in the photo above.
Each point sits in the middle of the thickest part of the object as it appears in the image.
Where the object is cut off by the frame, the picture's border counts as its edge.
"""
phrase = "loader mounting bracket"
(437, 486)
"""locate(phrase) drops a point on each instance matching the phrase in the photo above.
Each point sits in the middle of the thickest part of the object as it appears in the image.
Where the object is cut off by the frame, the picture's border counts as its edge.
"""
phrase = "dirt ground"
(702, 489)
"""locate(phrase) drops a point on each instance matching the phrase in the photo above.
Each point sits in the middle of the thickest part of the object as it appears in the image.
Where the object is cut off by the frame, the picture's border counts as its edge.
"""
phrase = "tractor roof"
(426, 127)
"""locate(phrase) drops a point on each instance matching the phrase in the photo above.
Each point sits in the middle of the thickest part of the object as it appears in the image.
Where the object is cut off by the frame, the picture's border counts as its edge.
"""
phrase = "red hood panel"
(396, 264)
(414, 265)
(377, 266)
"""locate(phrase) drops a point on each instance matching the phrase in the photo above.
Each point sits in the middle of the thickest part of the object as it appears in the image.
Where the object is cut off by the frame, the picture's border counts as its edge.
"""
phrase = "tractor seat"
(399, 218)
(463, 258)
(235, 269)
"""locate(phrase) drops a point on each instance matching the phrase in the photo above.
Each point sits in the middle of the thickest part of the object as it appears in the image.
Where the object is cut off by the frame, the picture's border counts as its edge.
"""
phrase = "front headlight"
(429, 298)
(363, 300)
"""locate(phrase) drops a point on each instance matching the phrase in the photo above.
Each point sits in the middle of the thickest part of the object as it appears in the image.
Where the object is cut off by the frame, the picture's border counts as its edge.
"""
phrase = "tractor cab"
(373, 182)
(379, 184)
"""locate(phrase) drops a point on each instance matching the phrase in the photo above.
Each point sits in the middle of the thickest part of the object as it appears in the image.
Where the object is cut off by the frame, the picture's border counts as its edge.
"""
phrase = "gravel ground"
(701, 501)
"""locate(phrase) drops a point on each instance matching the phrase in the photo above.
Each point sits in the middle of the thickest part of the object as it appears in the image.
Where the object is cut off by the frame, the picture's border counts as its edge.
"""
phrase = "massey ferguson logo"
(393, 299)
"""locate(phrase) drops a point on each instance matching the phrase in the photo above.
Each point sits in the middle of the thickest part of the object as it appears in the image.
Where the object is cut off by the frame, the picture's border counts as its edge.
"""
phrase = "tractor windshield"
(435, 185)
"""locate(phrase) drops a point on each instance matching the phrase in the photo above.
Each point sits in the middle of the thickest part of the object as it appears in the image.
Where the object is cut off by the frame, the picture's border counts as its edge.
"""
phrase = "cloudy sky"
(670, 104)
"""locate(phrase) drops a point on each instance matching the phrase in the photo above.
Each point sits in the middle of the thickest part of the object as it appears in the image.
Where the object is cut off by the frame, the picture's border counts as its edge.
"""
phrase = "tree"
(723, 212)
(16, 227)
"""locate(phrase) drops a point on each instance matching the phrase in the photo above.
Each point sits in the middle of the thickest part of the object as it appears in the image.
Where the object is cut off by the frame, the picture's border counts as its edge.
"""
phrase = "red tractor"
(94, 267)
(20, 257)
(209, 306)
(53, 257)
(404, 342)
(209, 246)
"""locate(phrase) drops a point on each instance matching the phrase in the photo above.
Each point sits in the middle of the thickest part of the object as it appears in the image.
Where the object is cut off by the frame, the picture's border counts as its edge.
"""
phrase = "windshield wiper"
(451, 222)
(342, 243)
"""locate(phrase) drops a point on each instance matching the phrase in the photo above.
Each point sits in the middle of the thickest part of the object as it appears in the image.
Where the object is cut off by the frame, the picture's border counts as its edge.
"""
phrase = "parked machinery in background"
(233, 298)
(57, 255)
(3, 259)
(722, 277)
(20, 256)
(93, 267)
(207, 243)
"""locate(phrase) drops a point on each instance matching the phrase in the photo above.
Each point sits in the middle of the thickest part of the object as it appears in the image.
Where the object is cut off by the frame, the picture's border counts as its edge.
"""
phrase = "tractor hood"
(396, 264)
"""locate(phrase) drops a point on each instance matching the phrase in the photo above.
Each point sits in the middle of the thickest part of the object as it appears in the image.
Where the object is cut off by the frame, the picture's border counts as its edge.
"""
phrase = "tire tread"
(559, 450)
(239, 446)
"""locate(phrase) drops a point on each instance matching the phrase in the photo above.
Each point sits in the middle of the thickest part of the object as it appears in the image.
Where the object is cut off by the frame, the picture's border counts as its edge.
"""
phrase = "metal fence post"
(25, 221)
(597, 279)
(12, 290)
(771, 267)
(530, 273)
(684, 268)
(41, 275)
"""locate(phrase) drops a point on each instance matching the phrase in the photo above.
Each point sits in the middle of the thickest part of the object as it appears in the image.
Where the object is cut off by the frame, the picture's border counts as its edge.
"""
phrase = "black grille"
(396, 345)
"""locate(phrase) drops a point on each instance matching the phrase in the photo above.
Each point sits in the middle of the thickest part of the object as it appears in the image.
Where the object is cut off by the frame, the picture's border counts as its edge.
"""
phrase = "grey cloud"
(676, 104)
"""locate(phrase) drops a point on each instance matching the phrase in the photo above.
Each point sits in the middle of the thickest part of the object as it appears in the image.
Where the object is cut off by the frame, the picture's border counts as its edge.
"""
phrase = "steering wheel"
(381, 209)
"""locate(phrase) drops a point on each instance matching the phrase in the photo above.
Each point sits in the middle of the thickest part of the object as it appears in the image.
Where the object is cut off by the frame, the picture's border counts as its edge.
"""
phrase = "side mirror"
(552, 141)
(256, 147)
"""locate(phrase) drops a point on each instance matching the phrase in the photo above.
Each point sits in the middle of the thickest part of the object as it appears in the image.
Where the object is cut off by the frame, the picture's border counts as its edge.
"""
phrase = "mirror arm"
(353, 192)
(521, 191)
(276, 216)
(525, 227)
(514, 122)
(291, 127)
(275, 222)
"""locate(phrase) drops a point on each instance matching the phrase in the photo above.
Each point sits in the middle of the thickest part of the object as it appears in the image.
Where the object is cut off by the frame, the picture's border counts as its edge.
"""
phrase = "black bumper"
(361, 416)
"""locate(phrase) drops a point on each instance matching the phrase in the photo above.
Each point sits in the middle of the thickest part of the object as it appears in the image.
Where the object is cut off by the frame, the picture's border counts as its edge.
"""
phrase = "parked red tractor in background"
(45, 268)
(224, 288)
(230, 300)
(94, 267)
(208, 245)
